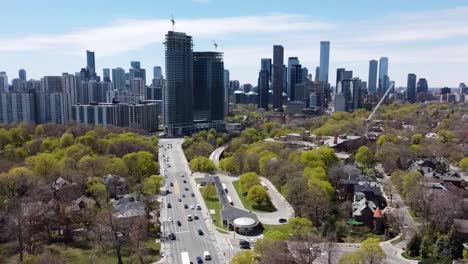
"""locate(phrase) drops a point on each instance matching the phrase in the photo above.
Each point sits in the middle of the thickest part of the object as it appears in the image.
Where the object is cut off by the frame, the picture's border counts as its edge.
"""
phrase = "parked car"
(283, 220)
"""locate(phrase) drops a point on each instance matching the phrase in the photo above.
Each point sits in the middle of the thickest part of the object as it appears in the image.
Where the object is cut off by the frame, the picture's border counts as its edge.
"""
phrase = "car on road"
(183, 195)
(169, 205)
(206, 255)
(169, 219)
(185, 206)
(171, 184)
(172, 236)
(185, 181)
(195, 217)
(186, 189)
(199, 260)
(182, 175)
(200, 232)
(193, 195)
(283, 220)
(198, 207)
(192, 207)
(244, 244)
(179, 223)
(189, 218)
(180, 200)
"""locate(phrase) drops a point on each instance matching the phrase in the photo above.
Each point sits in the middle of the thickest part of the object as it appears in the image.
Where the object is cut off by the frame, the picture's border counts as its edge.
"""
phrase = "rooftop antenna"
(173, 22)
(215, 45)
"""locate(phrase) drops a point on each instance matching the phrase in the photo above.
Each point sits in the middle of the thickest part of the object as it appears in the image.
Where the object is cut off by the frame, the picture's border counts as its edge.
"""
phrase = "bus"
(264, 185)
(185, 258)
(224, 187)
(229, 200)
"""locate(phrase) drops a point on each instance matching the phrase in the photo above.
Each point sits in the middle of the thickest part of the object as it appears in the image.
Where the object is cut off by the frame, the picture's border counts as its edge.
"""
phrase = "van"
(206, 255)
(189, 218)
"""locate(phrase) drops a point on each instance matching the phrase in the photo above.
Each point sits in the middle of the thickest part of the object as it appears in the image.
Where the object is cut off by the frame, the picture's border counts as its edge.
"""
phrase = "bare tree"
(110, 231)
(306, 250)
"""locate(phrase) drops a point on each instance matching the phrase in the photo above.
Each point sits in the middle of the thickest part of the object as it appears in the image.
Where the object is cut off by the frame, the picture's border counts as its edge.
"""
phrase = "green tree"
(49, 145)
(371, 252)
(18, 136)
(445, 136)
(229, 164)
(311, 159)
(456, 245)
(39, 130)
(66, 140)
(116, 166)
(397, 179)
(15, 182)
(209, 192)
(416, 139)
(351, 258)
(318, 173)
(91, 166)
(464, 164)
(96, 188)
(44, 165)
(4, 138)
(410, 181)
(442, 248)
(364, 157)
(299, 226)
(327, 155)
(247, 180)
(258, 195)
(140, 165)
(77, 151)
(152, 184)
(426, 247)
(202, 164)
(243, 257)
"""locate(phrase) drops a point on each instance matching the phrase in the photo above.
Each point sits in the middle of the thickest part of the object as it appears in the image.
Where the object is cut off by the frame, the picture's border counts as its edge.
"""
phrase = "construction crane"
(173, 22)
(377, 107)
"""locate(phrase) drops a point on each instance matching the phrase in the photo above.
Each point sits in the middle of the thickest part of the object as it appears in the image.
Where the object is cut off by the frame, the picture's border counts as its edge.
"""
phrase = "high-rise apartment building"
(317, 73)
(17, 107)
(278, 77)
(383, 75)
(226, 91)
(422, 86)
(118, 78)
(4, 86)
(324, 61)
(157, 72)
(178, 92)
(22, 74)
(372, 84)
(136, 71)
(106, 75)
(266, 65)
(52, 84)
(208, 86)
(411, 88)
(91, 63)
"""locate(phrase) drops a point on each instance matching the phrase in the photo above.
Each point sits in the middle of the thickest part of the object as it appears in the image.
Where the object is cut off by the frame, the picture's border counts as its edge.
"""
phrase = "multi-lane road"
(173, 165)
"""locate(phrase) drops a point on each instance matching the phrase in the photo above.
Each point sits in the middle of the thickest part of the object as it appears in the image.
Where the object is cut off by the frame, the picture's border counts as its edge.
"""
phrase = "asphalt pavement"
(187, 237)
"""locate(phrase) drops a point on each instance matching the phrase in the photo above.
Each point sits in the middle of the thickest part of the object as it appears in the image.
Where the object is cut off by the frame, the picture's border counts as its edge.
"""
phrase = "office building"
(106, 75)
(137, 86)
(4, 86)
(136, 71)
(317, 73)
(351, 90)
(263, 86)
(266, 65)
(178, 92)
(373, 65)
(383, 75)
(157, 72)
(291, 62)
(295, 77)
(22, 74)
(17, 108)
(118, 78)
(90, 63)
(324, 61)
(342, 74)
(153, 93)
(411, 88)
(52, 84)
(226, 92)
(278, 77)
(422, 86)
(208, 86)
(94, 92)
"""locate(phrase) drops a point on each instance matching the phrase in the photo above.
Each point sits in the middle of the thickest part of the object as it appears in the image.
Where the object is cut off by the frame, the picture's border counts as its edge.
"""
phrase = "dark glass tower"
(22, 74)
(90, 62)
(178, 93)
(411, 88)
(208, 86)
(263, 85)
(373, 65)
(278, 76)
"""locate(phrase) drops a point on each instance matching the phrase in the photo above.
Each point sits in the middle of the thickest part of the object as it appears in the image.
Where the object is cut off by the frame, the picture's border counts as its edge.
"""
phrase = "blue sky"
(426, 37)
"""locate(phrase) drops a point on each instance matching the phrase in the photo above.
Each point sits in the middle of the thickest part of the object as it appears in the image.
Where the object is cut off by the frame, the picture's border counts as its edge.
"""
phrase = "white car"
(192, 207)
(169, 219)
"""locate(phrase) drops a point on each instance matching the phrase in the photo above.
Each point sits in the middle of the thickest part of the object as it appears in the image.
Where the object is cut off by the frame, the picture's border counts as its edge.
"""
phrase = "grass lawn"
(284, 229)
(250, 205)
(406, 256)
(213, 204)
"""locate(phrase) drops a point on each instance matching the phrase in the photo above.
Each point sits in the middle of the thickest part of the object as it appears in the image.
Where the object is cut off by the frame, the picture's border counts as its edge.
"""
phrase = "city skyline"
(409, 44)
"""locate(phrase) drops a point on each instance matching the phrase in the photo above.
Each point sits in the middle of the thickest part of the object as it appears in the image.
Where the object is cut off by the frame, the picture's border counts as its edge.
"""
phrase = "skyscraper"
(208, 86)
(291, 61)
(106, 75)
(373, 65)
(90, 63)
(4, 86)
(136, 71)
(295, 77)
(266, 65)
(411, 88)
(118, 78)
(422, 86)
(22, 74)
(278, 76)
(226, 92)
(341, 75)
(178, 93)
(263, 85)
(383, 72)
(324, 61)
(157, 72)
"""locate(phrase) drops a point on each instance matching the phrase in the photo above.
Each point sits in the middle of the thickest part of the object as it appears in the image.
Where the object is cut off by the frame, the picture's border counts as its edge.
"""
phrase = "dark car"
(180, 200)
(185, 181)
(244, 244)
(172, 236)
(169, 205)
(183, 195)
(283, 220)
(196, 217)
(185, 206)
(193, 195)
(179, 223)
(200, 232)
(199, 260)
(171, 184)
(186, 188)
